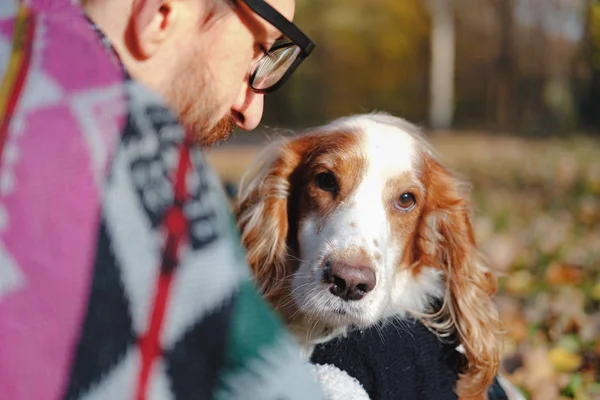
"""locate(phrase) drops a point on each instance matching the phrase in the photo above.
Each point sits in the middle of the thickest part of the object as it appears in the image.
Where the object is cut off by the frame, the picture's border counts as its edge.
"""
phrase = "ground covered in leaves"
(538, 221)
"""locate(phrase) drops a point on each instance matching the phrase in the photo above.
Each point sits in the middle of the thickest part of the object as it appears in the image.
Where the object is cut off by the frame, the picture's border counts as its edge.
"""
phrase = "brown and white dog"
(355, 223)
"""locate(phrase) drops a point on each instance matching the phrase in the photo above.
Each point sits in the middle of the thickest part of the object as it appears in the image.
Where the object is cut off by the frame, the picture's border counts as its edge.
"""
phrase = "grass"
(538, 221)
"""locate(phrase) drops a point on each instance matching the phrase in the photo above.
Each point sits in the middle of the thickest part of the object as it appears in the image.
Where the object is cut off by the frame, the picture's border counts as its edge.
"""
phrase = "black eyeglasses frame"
(289, 30)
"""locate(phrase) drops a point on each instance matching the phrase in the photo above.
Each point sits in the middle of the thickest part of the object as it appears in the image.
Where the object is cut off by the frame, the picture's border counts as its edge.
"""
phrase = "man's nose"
(248, 109)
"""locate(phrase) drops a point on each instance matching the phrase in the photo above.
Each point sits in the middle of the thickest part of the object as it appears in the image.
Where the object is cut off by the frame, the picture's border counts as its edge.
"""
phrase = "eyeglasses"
(274, 68)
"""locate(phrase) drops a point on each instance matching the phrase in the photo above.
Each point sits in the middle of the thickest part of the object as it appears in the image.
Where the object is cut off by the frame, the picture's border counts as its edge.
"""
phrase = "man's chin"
(219, 133)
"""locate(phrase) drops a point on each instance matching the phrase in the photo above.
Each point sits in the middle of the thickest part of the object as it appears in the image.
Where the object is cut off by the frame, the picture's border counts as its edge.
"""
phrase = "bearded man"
(121, 274)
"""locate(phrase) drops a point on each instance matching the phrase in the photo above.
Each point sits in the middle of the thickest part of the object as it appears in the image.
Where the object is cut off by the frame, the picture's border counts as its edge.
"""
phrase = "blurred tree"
(441, 87)
(590, 90)
(505, 69)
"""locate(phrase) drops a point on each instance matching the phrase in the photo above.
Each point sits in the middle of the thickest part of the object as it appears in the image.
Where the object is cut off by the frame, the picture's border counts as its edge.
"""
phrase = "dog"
(357, 222)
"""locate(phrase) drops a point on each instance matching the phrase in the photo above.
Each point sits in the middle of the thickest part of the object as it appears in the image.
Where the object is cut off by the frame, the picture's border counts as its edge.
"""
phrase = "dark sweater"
(405, 361)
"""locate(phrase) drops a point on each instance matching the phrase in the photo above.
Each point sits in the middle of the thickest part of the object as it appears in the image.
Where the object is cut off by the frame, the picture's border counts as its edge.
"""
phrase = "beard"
(193, 98)
(220, 132)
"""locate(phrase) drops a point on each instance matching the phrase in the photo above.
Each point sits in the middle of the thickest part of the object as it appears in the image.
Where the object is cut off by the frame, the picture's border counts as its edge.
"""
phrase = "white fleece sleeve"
(337, 384)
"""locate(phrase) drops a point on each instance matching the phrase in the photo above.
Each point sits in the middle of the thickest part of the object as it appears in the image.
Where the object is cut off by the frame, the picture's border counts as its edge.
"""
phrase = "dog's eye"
(406, 202)
(327, 182)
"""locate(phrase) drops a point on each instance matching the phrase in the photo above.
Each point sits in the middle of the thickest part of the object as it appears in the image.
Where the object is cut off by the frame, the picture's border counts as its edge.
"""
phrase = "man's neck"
(107, 44)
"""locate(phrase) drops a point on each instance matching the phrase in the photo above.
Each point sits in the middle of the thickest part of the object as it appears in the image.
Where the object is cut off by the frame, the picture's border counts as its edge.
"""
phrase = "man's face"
(210, 89)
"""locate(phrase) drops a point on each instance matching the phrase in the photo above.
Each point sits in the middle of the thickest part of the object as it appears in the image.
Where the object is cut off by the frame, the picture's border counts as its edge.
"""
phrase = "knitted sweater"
(121, 272)
(391, 362)
(395, 362)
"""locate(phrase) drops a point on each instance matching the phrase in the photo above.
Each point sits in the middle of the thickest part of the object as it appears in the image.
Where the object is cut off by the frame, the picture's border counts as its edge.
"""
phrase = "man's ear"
(151, 23)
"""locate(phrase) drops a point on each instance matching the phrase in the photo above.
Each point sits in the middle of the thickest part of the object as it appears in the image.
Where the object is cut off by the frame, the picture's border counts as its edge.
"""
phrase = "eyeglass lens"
(272, 67)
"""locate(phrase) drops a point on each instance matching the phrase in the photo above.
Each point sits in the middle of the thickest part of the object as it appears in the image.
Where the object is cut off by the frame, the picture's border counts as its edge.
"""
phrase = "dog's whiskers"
(295, 258)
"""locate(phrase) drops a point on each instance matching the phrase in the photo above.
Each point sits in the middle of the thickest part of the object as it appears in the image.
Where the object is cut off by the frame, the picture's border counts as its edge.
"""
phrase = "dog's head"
(356, 221)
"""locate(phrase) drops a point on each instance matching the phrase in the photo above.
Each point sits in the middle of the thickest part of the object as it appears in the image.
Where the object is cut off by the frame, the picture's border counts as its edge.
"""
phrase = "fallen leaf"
(502, 251)
(519, 282)
(596, 292)
(564, 274)
(547, 390)
(563, 360)
(538, 368)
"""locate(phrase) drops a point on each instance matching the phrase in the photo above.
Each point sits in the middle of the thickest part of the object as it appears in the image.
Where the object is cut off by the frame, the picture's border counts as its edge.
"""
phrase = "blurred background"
(509, 92)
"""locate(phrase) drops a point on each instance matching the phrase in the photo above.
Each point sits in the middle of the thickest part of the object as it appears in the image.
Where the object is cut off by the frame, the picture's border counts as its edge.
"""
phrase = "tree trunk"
(589, 84)
(441, 86)
(505, 65)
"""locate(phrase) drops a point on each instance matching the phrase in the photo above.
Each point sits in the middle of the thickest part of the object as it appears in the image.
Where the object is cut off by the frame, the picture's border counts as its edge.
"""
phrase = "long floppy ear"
(446, 241)
(262, 215)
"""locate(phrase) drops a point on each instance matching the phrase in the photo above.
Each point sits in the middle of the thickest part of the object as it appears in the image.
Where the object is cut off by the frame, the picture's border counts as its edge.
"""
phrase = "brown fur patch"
(340, 154)
(404, 224)
(444, 239)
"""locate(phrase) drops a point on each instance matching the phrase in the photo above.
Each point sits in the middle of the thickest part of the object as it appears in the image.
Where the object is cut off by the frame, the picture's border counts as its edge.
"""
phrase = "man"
(121, 275)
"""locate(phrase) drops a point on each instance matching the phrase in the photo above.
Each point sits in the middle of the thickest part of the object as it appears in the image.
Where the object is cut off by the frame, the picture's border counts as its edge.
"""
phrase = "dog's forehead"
(391, 151)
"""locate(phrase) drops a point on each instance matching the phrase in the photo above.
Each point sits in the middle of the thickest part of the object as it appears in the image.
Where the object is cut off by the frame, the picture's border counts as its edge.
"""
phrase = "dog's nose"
(350, 282)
